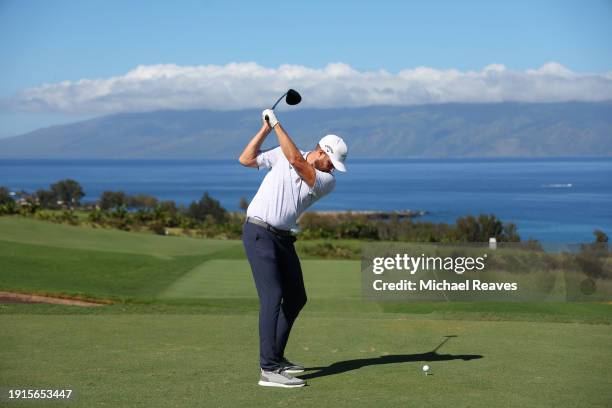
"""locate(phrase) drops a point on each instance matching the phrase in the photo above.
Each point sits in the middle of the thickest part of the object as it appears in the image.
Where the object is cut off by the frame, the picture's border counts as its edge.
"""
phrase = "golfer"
(295, 180)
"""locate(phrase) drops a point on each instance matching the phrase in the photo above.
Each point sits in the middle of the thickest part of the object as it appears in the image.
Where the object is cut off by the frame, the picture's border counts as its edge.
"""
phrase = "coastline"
(372, 214)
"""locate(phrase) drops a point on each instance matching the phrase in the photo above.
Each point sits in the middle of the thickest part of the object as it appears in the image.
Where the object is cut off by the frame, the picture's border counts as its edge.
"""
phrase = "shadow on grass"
(349, 365)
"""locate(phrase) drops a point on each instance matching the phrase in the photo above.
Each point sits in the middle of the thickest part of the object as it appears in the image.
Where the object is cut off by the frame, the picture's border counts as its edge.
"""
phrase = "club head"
(293, 97)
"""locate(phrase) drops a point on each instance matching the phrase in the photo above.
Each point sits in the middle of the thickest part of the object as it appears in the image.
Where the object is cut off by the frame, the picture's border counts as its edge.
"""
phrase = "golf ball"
(425, 368)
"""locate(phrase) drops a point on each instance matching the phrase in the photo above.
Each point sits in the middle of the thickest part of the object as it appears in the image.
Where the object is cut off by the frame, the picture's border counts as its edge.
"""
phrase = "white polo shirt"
(283, 195)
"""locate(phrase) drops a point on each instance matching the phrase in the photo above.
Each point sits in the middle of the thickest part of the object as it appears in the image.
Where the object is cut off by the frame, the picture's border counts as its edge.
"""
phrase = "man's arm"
(294, 156)
(248, 157)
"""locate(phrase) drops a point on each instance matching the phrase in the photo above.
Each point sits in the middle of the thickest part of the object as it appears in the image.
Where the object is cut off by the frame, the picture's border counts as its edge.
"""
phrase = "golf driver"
(292, 97)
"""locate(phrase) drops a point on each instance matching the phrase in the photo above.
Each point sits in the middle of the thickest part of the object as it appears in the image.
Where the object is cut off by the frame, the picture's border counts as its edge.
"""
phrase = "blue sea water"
(552, 199)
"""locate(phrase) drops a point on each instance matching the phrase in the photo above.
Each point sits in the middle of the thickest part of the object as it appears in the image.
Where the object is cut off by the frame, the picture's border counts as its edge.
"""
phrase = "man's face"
(323, 162)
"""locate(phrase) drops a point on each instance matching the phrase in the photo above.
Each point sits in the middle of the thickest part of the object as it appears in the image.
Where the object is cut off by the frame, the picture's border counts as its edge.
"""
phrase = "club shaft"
(279, 99)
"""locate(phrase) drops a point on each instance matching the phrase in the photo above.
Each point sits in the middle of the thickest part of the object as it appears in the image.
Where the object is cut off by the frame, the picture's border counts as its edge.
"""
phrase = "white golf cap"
(336, 149)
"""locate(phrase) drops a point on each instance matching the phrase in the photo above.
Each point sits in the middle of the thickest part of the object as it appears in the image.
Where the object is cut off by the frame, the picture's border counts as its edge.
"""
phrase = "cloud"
(250, 85)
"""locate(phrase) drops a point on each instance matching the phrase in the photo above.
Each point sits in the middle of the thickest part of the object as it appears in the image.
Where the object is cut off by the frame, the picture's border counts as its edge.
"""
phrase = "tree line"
(207, 217)
(123, 211)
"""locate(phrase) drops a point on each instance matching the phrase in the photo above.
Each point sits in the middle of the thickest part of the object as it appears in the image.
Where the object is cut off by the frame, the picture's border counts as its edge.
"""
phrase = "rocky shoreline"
(379, 215)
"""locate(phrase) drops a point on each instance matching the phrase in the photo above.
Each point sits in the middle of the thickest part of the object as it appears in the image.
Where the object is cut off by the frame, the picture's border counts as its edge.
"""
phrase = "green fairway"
(211, 360)
(184, 332)
(27, 231)
(226, 278)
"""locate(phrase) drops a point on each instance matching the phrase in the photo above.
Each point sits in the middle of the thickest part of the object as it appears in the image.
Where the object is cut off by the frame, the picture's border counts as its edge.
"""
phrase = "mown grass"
(210, 360)
(184, 332)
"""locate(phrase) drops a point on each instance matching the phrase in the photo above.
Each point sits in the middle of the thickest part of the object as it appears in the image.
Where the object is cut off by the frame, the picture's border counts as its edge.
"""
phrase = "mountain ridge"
(507, 129)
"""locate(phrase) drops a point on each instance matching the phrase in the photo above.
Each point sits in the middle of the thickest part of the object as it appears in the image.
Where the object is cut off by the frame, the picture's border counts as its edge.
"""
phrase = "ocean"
(551, 199)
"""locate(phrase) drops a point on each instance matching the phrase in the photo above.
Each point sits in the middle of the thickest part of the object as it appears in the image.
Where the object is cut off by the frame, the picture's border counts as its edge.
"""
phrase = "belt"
(267, 226)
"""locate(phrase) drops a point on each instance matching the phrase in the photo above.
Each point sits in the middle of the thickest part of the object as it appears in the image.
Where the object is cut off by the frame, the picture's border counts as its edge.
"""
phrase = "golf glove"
(271, 117)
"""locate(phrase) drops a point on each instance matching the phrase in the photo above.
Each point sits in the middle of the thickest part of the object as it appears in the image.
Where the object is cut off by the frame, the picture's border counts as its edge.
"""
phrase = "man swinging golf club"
(296, 180)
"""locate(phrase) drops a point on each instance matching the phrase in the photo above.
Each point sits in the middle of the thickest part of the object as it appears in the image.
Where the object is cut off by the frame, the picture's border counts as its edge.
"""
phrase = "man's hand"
(271, 117)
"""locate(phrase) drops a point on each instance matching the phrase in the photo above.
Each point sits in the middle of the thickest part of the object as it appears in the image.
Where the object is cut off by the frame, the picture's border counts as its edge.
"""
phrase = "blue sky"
(44, 42)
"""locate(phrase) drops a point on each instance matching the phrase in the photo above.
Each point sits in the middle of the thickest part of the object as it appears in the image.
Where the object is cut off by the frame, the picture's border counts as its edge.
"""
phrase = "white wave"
(558, 185)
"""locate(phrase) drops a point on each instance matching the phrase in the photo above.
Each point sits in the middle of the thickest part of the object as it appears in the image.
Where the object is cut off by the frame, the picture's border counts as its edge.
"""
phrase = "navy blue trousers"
(280, 286)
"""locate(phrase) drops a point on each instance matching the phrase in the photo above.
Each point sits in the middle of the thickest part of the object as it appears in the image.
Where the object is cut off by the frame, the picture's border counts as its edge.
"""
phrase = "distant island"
(443, 130)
